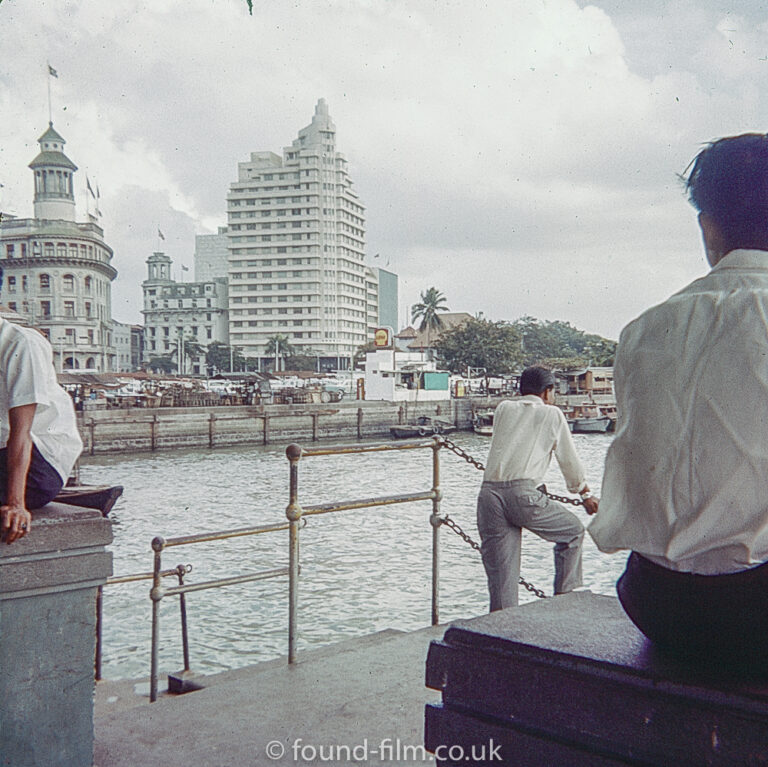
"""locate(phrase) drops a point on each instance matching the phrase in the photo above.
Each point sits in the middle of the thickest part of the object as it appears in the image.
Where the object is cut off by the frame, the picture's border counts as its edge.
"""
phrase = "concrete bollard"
(48, 586)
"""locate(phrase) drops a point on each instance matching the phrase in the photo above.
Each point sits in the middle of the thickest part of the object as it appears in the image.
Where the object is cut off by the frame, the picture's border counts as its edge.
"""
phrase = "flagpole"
(50, 111)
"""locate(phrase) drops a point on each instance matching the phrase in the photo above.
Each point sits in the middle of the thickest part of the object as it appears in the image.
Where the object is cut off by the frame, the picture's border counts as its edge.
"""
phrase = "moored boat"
(482, 422)
(588, 418)
(425, 426)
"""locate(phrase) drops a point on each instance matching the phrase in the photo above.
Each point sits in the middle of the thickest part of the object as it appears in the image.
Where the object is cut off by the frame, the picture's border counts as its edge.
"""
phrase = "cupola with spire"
(54, 194)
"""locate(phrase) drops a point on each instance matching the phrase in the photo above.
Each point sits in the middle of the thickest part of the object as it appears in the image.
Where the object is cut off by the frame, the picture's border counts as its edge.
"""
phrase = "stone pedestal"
(571, 681)
(48, 584)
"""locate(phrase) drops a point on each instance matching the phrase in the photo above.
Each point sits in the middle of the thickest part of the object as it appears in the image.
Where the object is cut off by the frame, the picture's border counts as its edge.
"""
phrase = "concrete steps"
(360, 693)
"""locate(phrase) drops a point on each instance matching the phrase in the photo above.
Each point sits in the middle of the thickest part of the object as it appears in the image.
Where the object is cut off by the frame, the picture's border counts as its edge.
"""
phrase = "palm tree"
(277, 345)
(432, 302)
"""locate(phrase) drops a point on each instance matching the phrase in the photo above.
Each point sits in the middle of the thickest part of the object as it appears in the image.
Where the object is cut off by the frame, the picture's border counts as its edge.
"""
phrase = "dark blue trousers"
(701, 618)
(43, 481)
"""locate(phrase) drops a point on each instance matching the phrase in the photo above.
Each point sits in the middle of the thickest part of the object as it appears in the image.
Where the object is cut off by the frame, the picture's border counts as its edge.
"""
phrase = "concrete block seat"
(48, 584)
(571, 681)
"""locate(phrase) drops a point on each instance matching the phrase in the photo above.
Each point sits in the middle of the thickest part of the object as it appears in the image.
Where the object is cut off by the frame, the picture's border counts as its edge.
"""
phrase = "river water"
(362, 571)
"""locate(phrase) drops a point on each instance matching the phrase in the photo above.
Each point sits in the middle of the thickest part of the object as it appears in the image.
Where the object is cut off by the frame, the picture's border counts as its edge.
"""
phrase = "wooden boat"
(587, 418)
(101, 497)
(482, 422)
(424, 427)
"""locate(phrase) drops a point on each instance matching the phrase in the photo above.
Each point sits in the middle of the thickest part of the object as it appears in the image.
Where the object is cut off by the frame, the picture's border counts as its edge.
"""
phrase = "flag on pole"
(90, 188)
(160, 234)
(52, 72)
(184, 268)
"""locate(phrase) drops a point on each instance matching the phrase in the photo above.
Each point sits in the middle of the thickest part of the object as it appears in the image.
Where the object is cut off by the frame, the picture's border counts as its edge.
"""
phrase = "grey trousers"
(503, 510)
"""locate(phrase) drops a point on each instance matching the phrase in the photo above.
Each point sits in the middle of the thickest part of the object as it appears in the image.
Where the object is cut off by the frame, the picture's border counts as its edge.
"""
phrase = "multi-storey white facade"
(176, 313)
(58, 271)
(212, 256)
(296, 250)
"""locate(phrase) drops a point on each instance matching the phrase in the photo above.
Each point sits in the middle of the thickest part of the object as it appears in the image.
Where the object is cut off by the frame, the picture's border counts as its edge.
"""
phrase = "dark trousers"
(722, 618)
(43, 481)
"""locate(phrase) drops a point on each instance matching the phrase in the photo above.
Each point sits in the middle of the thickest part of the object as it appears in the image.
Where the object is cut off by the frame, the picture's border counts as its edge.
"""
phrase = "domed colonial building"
(57, 271)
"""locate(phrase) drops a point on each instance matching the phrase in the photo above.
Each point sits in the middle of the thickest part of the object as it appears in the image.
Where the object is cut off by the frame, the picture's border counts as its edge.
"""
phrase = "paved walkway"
(367, 695)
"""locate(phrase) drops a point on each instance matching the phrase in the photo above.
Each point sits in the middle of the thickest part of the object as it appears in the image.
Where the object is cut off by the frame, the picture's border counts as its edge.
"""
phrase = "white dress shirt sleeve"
(565, 452)
(26, 373)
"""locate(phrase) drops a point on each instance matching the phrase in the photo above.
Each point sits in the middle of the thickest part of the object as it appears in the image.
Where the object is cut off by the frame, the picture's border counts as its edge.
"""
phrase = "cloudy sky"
(520, 156)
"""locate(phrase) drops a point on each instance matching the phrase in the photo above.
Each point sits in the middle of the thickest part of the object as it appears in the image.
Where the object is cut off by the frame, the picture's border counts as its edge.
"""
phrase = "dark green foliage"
(479, 343)
(562, 345)
(220, 357)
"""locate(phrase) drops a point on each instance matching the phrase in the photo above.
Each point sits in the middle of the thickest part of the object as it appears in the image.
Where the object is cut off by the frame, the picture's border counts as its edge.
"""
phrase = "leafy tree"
(220, 356)
(162, 364)
(301, 361)
(361, 351)
(480, 343)
(279, 344)
(426, 311)
(561, 341)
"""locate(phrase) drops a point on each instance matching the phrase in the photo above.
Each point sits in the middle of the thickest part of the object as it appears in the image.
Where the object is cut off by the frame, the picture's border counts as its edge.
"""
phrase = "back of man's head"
(728, 181)
(536, 379)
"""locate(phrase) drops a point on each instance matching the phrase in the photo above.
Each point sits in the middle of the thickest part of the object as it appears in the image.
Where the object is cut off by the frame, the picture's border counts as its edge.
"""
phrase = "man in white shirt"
(38, 431)
(686, 477)
(527, 432)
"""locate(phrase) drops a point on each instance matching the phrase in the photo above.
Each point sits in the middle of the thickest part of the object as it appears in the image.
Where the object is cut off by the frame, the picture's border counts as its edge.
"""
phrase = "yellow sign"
(381, 338)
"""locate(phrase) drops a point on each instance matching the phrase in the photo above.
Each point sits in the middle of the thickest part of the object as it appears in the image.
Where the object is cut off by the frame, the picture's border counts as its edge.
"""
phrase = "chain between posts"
(448, 522)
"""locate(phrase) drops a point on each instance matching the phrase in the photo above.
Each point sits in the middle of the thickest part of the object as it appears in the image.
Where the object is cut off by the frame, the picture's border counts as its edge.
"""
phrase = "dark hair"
(728, 181)
(536, 379)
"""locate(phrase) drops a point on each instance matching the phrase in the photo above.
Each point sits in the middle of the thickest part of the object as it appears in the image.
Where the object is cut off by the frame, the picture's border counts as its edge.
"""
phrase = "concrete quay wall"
(140, 429)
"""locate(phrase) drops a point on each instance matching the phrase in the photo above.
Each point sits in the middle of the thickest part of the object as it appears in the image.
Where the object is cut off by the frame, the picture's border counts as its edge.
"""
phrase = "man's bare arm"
(15, 519)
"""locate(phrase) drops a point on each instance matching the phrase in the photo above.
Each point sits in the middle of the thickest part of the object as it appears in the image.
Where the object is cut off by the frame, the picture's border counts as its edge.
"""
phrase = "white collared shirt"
(686, 477)
(27, 376)
(526, 434)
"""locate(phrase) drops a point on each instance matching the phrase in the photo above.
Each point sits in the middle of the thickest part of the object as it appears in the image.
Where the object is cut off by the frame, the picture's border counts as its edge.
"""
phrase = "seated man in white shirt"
(686, 477)
(526, 433)
(38, 430)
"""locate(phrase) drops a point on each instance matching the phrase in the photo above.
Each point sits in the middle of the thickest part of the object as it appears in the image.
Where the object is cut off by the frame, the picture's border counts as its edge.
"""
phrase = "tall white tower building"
(296, 250)
(58, 271)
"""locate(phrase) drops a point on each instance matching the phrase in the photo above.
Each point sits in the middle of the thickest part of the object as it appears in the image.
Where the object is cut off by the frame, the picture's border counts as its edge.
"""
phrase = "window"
(45, 282)
(12, 284)
(88, 309)
(9, 251)
(24, 282)
(88, 283)
(69, 308)
(69, 282)
(45, 308)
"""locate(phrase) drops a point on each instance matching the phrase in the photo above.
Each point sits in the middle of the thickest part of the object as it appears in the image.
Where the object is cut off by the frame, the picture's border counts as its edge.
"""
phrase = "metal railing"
(295, 512)
(179, 571)
(159, 592)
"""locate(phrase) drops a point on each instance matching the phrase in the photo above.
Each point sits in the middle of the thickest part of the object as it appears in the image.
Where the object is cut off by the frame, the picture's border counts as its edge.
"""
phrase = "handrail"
(179, 571)
(295, 512)
(158, 592)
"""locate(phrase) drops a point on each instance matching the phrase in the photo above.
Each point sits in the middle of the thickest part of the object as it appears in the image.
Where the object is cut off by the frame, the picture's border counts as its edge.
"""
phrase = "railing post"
(156, 595)
(435, 522)
(92, 426)
(314, 426)
(99, 616)
(180, 570)
(293, 512)
(211, 421)
(359, 423)
(265, 434)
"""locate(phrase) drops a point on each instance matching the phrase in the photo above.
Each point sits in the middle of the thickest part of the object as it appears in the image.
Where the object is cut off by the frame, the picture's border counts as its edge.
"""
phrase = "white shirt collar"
(742, 258)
